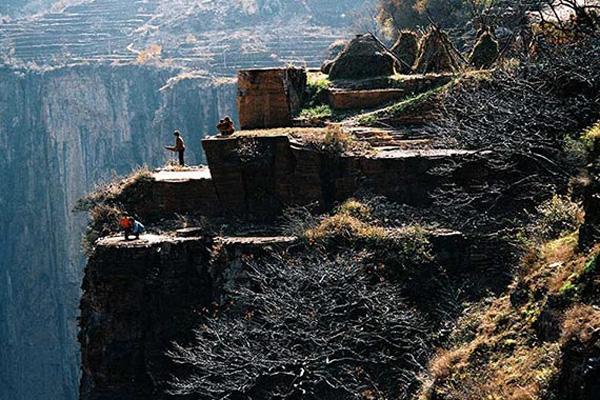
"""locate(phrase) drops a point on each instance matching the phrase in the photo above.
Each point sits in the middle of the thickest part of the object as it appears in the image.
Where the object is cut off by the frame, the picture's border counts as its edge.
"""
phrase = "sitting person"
(131, 227)
(226, 127)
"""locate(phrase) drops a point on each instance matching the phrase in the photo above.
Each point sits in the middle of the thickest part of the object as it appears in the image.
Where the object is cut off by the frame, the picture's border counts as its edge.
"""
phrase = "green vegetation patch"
(317, 87)
(398, 109)
(321, 112)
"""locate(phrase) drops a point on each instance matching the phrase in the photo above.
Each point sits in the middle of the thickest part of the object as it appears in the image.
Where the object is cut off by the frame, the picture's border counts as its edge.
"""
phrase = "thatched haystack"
(326, 66)
(333, 51)
(406, 49)
(437, 54)
(485, 52)
(364, 57)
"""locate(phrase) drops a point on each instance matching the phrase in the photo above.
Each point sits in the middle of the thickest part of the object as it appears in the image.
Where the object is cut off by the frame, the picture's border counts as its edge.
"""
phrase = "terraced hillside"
(219, 37)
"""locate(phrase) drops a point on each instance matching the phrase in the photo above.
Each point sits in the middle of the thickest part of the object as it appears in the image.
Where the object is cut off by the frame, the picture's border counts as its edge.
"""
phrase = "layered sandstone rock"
(259, 176)
(363, 99)
(268, 98)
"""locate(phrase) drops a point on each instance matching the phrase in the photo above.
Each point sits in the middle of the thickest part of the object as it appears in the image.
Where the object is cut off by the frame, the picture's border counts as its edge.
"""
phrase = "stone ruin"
(268, 98)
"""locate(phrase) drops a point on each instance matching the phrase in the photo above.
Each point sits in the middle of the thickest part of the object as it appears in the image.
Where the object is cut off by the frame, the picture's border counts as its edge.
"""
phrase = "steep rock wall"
(141, 297)
(61, 132)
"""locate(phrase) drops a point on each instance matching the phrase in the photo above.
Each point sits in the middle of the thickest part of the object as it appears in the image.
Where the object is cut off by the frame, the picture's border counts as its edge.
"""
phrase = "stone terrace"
(116, 30)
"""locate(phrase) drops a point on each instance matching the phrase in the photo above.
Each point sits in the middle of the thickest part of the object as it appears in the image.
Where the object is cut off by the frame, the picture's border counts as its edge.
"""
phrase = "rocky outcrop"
(257, 177)
(140, 297)
(61, 132)
(268, 98)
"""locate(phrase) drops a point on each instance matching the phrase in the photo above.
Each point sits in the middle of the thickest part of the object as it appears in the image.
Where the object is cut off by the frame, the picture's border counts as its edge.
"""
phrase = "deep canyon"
(62, 132)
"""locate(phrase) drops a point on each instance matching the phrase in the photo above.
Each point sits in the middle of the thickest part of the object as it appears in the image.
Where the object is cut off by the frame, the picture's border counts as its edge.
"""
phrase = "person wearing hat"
(179, 147)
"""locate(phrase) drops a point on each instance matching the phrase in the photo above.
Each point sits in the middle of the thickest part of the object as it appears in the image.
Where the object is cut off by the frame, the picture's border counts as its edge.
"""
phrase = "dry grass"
(503, 357)
(110, 193)
(297, 133)
(104, 222)
(107, 204)
(593, 133)
(397, 251)
(581, 323)
(560, 250)
(343, 226)
(591, 137)
(500, 363)
(356, 209)
(335, 141)
(332, 139)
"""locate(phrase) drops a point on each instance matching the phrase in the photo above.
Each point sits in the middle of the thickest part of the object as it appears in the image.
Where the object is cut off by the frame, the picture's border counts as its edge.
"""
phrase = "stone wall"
(363, 99)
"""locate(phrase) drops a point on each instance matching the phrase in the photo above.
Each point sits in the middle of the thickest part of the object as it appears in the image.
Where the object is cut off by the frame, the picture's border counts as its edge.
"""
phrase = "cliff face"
(61, 132)
(141, 297)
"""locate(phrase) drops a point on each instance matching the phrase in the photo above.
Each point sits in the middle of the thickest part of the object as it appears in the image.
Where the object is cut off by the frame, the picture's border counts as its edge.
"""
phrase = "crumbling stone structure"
(268, 98)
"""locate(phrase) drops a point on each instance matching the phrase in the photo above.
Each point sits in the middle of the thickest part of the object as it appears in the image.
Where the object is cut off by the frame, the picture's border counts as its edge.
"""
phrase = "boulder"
(485, 52)
(406, 49)
(364, 57)
(436, 54)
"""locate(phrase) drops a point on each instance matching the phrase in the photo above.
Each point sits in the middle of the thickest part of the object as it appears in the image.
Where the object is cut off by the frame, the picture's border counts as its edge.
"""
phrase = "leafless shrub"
(306, 328)
(526, 117)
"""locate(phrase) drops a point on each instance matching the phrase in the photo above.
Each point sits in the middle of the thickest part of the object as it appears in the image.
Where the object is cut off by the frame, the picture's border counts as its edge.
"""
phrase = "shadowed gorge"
(73, 127)
(402, 205)
(84, 96)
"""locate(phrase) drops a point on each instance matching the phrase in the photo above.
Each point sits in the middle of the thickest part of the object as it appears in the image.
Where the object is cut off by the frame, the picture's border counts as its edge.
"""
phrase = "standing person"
(179, 147)
(138, 228)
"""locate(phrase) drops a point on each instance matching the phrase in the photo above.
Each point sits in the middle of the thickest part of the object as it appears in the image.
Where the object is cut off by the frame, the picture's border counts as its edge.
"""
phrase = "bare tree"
(527, 118)
(306, 328)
